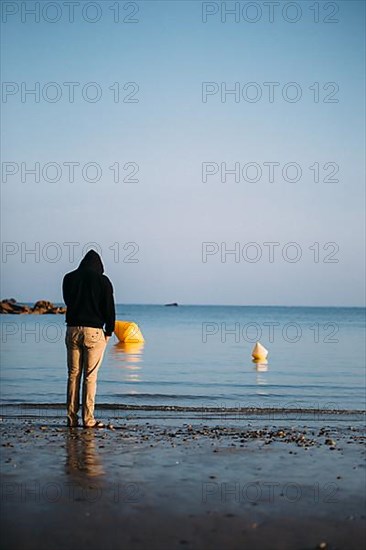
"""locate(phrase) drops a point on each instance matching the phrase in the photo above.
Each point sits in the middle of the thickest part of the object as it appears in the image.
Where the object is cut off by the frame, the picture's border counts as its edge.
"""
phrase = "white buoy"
(259, 352)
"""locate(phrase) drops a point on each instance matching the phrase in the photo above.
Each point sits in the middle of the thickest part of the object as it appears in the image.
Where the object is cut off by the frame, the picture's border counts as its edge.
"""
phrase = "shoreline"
(176, 480)
(19, 411)
(182, 408)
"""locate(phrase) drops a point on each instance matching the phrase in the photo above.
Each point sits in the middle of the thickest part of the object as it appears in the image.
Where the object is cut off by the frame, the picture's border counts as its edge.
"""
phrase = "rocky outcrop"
(11, 306)
(43, 306)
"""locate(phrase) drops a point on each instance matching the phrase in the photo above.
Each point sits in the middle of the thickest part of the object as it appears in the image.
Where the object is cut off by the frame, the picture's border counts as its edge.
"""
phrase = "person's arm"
(65, 291)
(109, 308)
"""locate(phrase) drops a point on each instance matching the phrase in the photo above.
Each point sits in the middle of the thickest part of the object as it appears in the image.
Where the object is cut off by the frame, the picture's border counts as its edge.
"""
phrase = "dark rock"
(9, 306)
(41, 307)
(43, 304)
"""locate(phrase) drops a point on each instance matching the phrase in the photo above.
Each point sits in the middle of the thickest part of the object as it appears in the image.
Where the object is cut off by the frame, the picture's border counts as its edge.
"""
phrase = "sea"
(200, 356)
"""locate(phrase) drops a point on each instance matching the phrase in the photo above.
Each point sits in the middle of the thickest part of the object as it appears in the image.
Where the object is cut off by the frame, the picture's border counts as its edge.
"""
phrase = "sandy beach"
(181, 479)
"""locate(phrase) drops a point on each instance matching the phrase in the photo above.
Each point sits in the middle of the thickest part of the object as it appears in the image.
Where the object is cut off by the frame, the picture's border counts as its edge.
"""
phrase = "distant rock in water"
(172, 304)
(11, 306)
(41, 307)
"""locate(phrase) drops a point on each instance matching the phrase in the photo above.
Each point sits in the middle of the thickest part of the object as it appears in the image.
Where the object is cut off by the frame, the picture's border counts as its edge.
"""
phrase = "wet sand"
(175, 479)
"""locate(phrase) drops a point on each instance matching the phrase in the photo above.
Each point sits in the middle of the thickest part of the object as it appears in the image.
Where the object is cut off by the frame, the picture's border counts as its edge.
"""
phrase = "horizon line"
(167, 304)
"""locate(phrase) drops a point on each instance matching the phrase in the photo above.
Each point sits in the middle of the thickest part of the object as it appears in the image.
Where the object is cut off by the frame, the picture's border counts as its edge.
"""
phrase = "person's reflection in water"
(82, 459)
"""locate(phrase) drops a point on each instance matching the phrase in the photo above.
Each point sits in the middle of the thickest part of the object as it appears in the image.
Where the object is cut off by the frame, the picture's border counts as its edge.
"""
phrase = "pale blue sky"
(169, 133)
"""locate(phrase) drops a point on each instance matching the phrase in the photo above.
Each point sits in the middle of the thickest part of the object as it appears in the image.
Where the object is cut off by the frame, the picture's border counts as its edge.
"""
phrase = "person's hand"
(106, 338)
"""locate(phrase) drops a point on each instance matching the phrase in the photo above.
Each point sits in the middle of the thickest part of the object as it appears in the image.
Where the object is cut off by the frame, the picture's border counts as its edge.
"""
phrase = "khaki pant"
(85, 349)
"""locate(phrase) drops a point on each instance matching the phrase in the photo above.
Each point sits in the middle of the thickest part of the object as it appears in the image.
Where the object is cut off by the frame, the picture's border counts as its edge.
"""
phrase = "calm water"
(200, 356)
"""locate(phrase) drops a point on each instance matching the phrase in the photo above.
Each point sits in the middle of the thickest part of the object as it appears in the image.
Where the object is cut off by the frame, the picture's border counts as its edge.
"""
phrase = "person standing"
(90, 319)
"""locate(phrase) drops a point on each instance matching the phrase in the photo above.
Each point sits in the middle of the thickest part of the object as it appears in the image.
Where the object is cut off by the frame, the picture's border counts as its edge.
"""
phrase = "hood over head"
(92, 261)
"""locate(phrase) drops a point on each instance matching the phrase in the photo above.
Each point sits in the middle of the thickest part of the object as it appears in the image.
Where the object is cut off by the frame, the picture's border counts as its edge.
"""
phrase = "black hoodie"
(88, 295)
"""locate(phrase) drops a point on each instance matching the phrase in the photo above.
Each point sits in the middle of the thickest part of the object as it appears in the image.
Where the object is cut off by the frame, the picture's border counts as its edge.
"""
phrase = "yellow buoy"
(132, 349)
(128, 332)
(259, 352)
(261, 365)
